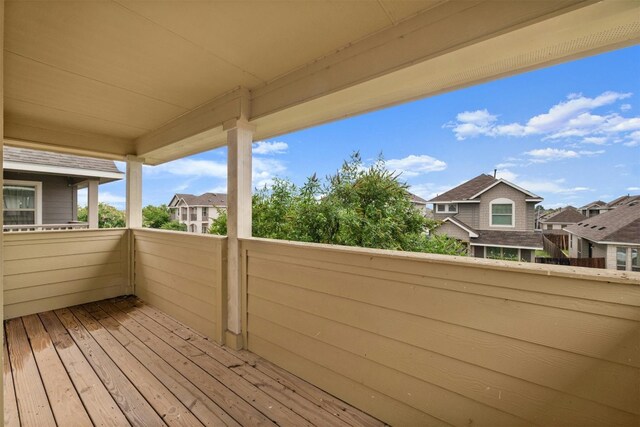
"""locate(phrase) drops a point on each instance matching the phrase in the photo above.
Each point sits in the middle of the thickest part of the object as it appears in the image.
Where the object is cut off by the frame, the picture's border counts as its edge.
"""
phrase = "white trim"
(38, 187)
(60, 170)
(450, 219)
(438, 202)
(505, 246)
(502, 201)
(539, 199)
(446, 206)
(504, 181)
(600, 242)
(502, 247)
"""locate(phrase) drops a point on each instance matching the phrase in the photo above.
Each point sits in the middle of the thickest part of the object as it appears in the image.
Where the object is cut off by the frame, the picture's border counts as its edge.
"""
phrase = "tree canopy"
(108, 216)
(357, 206)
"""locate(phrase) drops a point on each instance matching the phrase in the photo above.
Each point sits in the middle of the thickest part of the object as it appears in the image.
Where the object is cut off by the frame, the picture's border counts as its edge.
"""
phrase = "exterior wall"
(610, 253)
(452, 230)
(46, 270)
(531, 215)
(523, 221)
(184, 276)
(200, 218)
(573, 246)
(58, 199)
(391, 333)
(469, 213)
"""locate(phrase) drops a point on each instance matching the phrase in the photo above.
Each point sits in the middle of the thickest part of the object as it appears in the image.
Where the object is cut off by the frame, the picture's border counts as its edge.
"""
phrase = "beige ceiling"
(159, 78)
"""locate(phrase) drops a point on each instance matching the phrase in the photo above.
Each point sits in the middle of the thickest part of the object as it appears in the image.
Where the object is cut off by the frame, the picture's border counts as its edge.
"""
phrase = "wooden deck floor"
(121, 362)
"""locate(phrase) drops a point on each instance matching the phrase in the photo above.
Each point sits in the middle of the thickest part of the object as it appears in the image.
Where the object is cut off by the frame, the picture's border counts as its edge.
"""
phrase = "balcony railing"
(46, 227)
(194, 217)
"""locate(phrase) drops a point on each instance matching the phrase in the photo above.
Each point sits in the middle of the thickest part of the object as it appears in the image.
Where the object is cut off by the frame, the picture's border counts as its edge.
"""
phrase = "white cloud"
(596, 140)
(265, 170)
(111, 199)
(543, 155)
(633, 139)
(218, 189)
(413, 165)
(571, 118)
(506, 174)
(633, 188)
(553, 187)
(190, 167)
(625, 107)
(266, 147)
(429, 190)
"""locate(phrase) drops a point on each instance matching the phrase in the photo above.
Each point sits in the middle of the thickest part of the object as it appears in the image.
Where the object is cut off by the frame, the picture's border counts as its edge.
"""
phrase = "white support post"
(1, 194)
(92, 203)
(239, 140)
(134, 192)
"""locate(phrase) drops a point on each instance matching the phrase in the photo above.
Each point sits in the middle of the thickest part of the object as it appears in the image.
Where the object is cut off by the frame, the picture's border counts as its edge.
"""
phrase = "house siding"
(469, 213)
(59, 206)
(524, 221)
(453, 230)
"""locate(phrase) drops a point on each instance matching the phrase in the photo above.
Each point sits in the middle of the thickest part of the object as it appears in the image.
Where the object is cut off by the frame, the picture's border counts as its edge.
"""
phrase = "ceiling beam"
(429, 55)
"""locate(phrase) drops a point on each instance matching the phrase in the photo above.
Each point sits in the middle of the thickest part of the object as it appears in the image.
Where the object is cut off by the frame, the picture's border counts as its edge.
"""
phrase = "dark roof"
(206, 199)
(47, 158)
(518, 239)
(623, 200)
(466, 190)
(621, 224)
(568, 215)
(417, 199)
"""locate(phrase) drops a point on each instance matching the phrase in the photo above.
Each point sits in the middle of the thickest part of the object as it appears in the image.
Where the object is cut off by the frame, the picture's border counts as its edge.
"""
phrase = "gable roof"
(567, 215)
(473, 188)
(623, 200)
(37, 161)
(621, 224)
(597, 203)
(513, 239)
(417, 199)
(462, 225)
(205, 199)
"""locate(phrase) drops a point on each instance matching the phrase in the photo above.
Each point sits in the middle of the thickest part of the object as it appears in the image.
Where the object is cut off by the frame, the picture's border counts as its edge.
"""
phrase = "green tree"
(155, 216)
(174, 225)
(357, 206)
(108, 216)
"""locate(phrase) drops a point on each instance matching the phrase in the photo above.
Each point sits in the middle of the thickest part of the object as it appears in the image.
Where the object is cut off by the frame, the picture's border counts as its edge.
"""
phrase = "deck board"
(122, 362)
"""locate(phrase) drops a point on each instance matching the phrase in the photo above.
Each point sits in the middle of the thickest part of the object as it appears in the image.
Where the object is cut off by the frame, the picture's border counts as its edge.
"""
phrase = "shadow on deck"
(122, 362)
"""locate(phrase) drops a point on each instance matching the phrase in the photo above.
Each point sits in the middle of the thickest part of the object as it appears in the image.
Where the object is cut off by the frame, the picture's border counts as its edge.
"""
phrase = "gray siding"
(522, 222)
(454, 231)
(469, 213)
(58, 205)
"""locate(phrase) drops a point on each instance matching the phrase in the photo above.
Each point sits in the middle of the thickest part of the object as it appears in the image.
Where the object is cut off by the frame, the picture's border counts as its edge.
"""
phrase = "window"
(205, 228)
(511, 254)
(621, 258)
(635, 260)
(447, 208)
(502, 213)
(205, 213)
(22, 202)
(549, 227)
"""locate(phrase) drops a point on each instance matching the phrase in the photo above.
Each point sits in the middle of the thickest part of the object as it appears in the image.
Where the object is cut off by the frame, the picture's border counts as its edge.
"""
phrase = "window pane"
(501, 220)
(635, 260)
(440, 208)
(501, 209)
(453, 208)
(510, 253)
(621, 258)
(493, 252)
(19, 197)
(19, 217)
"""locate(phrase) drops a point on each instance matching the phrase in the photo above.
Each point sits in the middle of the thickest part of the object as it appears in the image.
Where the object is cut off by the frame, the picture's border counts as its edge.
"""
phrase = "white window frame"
(38, 187)
(502, 248)
(446, 208)
(502, 201)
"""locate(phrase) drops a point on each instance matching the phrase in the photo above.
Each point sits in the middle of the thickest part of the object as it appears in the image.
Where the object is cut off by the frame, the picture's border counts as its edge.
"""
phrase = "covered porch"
(410, 339)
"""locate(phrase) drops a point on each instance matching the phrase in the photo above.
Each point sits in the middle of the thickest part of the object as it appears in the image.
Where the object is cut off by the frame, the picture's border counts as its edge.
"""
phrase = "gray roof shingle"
(206, 199)
(466, 190)
(518, 239)
(568, 215)
(37, 157)
(621, 224)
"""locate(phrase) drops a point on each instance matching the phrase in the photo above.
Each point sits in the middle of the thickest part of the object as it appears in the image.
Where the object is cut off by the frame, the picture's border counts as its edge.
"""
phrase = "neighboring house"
(598, 207)
(613, 235)
(560, 219)
(197, 212)
(494, 217)
(421, 205)
(41, 188)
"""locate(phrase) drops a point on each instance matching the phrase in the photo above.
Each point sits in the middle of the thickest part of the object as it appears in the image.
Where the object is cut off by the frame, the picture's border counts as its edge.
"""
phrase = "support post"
(92, 203)
(239, 140)
(1, 194)
(134, 192)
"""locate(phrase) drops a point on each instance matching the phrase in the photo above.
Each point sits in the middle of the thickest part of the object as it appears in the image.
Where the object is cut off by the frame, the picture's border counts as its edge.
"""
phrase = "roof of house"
(516, 239)
(621, 224)
(623, 200)
(417, 199)
(596, 203)
(37, 157)
(473, 188)
(206, 199)
(567, 215)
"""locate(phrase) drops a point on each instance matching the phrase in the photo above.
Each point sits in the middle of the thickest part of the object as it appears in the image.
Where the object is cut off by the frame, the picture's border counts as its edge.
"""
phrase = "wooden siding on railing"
(183, 274)
(418, 339)
(47, 270)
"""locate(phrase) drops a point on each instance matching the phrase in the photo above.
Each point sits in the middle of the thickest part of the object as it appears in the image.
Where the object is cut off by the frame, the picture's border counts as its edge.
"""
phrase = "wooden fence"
(559, 239)
(574, 262)
(551, 248)
(418, 339)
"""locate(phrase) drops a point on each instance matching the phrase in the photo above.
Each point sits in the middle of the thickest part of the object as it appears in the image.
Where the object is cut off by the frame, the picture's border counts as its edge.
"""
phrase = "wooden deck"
(122, 362)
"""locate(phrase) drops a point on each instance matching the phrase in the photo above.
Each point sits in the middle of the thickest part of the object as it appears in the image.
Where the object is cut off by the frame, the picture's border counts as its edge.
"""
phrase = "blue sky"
(570, 133)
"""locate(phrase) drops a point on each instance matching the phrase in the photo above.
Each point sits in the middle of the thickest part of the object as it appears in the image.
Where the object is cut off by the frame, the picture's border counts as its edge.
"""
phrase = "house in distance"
(494, 217)
(197, 212)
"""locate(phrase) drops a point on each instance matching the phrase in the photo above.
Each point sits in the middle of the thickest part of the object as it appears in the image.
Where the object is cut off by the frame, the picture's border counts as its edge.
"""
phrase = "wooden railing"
(46, 270)
(46, 227)
(418, 339)
(183, 274)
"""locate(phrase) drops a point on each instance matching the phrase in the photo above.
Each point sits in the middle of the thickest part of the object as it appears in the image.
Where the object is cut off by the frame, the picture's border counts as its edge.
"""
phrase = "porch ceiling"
(159, 79)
